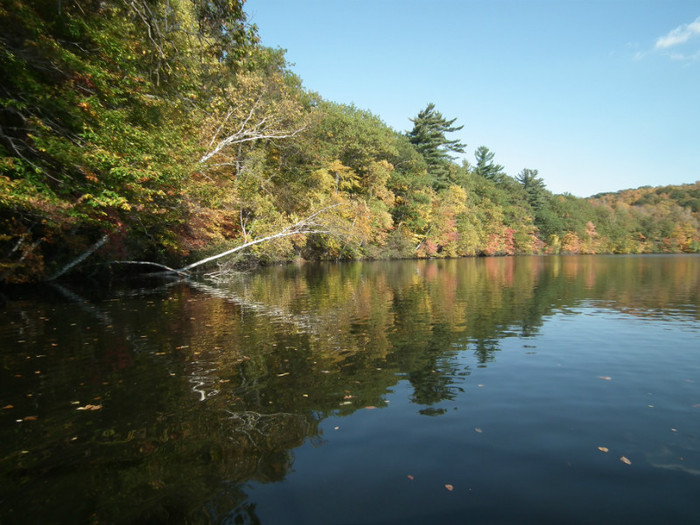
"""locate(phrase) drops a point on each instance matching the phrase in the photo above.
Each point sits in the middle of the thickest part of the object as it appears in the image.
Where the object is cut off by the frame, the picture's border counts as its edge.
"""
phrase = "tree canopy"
(163, 131)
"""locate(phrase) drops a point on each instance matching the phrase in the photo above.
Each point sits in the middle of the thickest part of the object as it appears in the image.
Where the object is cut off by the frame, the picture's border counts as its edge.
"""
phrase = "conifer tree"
(428, 137)
(485, 166)
(534, 187)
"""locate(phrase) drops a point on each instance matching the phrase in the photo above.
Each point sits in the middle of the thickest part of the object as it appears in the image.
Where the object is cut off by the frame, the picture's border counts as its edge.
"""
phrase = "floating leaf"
(603, 449)
(90, 407)
(370, 407)
(30, 418)
(477, 429)
(606, 378)
(449, 487)
(410, 477)
(7, 407)
(625, 460)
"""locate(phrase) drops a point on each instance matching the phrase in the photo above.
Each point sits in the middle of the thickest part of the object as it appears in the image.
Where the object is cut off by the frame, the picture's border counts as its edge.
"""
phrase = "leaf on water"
(90, 407)
(449, 487)
(606, 378)
(625, 460)
(30, 418)
(603, 449)
(370, 407)
(410, 477)
(477, 429)
(8, 407)
(283, 374)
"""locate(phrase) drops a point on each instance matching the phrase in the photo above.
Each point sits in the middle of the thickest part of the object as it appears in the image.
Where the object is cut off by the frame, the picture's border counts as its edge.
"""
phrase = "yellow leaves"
(90, 407)
(322, 180)
(345, 178)
(449, 487)
(624, 459)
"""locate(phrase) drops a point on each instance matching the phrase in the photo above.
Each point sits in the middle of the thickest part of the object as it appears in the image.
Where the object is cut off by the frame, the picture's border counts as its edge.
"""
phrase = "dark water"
(461, 391)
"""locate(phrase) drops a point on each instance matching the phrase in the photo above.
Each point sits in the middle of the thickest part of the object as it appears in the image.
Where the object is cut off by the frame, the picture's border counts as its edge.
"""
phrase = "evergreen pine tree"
(485, 166)
(428, 137)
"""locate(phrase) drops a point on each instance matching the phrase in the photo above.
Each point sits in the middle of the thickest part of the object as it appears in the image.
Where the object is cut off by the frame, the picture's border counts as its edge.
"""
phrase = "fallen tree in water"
(307, 226)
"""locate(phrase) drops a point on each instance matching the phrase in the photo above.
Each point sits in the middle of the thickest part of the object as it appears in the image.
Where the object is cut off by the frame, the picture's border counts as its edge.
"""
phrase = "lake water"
(498, 390)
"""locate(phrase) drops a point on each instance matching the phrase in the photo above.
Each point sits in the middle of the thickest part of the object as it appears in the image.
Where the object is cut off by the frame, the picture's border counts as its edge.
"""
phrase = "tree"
(534, 187)
(485, 166)
(99, 115)
(428, 137)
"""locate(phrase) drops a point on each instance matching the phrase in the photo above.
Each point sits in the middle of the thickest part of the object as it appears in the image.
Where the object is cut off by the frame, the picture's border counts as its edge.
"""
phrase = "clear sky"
(598, 95)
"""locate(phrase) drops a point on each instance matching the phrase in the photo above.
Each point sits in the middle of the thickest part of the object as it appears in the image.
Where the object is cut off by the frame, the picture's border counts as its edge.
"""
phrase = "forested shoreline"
(163, 131)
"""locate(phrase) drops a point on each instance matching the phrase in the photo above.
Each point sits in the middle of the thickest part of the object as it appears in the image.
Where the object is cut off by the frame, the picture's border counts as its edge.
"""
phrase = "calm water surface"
(499, 390)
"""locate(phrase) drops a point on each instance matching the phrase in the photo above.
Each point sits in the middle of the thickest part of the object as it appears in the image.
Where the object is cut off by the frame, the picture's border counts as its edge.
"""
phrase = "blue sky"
(596, 95)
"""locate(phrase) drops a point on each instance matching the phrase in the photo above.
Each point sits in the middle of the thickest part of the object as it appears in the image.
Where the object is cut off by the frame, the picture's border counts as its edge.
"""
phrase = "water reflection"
(202, 389)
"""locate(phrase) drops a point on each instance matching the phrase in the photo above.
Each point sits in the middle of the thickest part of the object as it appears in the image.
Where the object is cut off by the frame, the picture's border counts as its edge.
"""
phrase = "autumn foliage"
(168, 130)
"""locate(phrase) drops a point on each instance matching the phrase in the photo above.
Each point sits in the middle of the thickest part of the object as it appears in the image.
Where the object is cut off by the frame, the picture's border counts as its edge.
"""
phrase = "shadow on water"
(161, 405)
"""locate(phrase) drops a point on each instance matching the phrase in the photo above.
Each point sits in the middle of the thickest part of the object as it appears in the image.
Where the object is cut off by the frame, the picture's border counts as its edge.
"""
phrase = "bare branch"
(249, 136)
(87, 253)
(279, 235)
(302, 227)
(148, 263)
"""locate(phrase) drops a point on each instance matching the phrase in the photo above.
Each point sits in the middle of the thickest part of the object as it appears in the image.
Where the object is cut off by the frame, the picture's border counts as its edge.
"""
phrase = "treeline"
(162, 130)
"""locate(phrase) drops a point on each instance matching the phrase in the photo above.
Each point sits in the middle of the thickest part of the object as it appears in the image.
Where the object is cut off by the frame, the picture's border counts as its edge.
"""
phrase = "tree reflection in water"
(204, 388)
